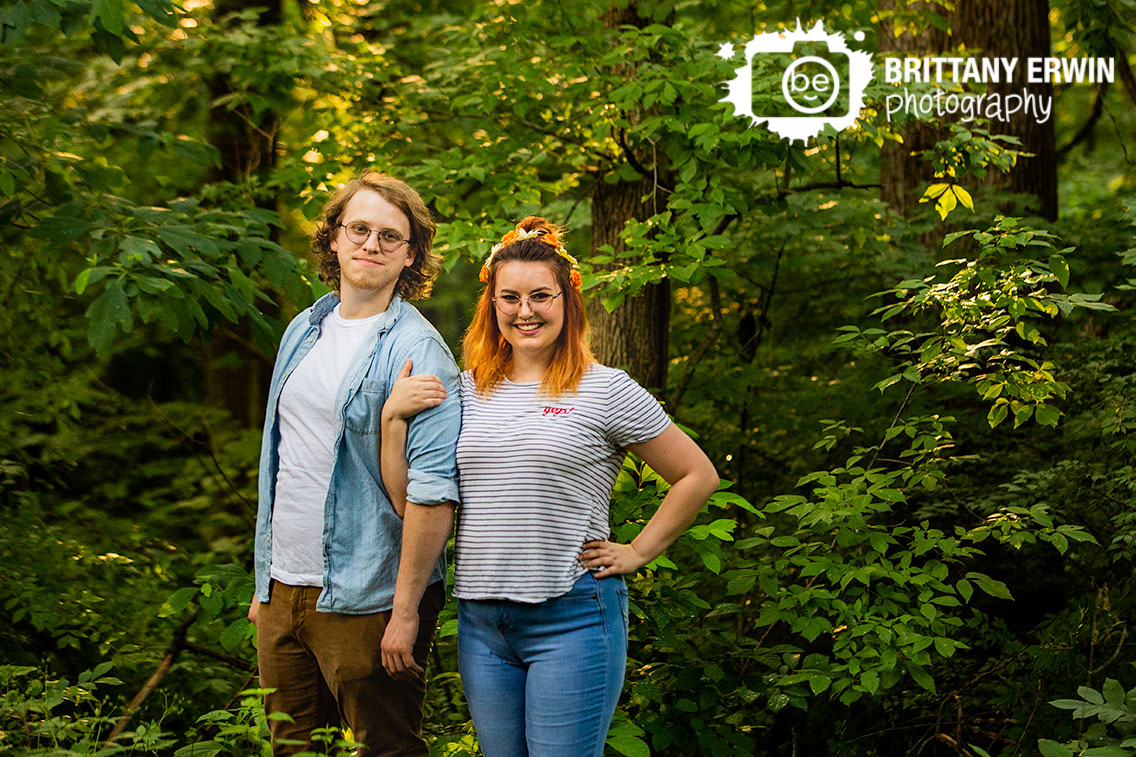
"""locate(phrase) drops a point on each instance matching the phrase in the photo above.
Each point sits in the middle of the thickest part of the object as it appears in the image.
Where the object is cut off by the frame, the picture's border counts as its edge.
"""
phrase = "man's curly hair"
(417, 279)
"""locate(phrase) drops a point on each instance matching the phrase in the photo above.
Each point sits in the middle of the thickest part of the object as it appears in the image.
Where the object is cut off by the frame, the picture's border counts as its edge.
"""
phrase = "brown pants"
(326, 667)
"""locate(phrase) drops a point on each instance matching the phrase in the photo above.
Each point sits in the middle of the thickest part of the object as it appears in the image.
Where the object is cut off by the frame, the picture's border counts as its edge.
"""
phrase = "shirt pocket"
(364, 412)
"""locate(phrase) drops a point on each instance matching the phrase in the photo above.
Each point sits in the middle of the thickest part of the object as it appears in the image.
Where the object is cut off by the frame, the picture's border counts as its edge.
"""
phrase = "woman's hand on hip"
(411, 395)
(609, 558)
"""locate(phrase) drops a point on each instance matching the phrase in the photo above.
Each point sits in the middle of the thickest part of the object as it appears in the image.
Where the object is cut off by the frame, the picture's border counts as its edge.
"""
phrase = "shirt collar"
(327, 303)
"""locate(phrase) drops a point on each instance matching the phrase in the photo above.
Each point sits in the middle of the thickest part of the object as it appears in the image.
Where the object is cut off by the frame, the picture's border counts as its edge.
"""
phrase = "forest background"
(908, 348)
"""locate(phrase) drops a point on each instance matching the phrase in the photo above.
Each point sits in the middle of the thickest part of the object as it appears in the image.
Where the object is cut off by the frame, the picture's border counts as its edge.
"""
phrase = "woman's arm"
(409, 396)
(683, 464)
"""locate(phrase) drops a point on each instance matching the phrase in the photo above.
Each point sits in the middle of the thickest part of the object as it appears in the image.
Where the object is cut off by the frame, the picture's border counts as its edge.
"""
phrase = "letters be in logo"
(804, 81)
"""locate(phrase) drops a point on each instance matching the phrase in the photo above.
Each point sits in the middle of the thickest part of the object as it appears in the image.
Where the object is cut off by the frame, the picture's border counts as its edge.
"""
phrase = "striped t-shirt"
(536, 475)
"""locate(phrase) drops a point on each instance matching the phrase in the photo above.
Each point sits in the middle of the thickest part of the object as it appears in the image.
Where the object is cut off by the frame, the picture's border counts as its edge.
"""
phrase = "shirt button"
(309, 339)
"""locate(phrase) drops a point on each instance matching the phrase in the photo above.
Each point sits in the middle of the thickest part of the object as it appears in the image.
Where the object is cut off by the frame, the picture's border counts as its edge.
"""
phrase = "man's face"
(365, 268)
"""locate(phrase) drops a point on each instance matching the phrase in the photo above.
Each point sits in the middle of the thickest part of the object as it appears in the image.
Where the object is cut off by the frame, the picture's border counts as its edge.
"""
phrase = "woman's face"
(531, 328)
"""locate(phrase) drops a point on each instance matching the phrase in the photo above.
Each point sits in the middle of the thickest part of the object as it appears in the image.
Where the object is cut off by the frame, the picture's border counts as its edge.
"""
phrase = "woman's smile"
(528, 328)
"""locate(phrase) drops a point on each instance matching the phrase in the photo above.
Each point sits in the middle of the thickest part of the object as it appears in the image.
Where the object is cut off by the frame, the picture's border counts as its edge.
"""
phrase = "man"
(337, 568)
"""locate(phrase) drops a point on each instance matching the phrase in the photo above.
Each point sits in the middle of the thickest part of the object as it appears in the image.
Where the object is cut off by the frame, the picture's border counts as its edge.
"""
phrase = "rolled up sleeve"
(432, 435)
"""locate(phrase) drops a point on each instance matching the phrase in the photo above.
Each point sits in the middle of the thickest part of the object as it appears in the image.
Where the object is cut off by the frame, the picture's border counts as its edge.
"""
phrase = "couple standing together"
(367, 450)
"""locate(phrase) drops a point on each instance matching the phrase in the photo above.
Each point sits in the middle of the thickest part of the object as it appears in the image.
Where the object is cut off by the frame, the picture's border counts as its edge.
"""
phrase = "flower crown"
(550, 238)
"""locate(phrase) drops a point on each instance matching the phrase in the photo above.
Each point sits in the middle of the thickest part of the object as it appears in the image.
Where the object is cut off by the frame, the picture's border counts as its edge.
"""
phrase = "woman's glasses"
(538, 301)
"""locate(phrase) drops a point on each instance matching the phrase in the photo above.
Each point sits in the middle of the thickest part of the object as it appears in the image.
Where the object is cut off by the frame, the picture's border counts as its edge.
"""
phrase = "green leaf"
(954, 235)
(628, 745)
(1113, 692)
(885, 383)
(879, 541)
(712, 562)
(1047, 415)
(1090, 694)
(141, 248)
(1060, 269)
(870, 680)
(184, 239)
(161, 10)
(819, 683)
(1050, 748)
(922, 677)
(110, 12)
(235, 633)
(106, 314)
(989, 585)
(1067, 704)
(944, 647)
(997, 414)
(60, 229)
(241, 283)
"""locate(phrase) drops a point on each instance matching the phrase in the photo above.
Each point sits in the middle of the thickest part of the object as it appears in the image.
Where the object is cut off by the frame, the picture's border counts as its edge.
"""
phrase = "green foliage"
(987, 313)
(868, 585)
(40, 714)
(1114, 733)
(681, 697)
(164, 264)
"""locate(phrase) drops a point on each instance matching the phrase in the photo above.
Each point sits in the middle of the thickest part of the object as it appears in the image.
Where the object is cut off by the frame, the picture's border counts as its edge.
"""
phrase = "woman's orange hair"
(487, 353)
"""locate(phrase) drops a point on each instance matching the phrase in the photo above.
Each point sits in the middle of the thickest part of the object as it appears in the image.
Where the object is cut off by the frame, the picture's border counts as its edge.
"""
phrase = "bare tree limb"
(1126, 76)
(708, 340)
(148, 688)
(1087, 129)
(177, 645)
(235, 662)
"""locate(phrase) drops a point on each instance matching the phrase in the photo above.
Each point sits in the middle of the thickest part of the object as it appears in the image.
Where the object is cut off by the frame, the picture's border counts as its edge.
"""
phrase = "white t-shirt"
(535, 476)
(307, 439)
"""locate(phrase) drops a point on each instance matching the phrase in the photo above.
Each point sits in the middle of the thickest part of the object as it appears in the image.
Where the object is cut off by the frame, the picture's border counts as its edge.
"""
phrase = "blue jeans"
(542, 680)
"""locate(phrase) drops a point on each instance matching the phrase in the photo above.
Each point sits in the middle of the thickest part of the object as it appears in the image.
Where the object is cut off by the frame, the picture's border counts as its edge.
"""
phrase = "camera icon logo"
(810, 84)
(798, 82)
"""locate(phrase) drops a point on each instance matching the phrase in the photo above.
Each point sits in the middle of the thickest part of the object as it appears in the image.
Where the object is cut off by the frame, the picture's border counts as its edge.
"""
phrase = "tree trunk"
(635, 336)
(1002, 29)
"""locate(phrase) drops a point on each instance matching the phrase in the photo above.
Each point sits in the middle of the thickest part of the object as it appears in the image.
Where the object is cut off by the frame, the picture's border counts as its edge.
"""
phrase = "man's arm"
(431, 491)
(425, 530)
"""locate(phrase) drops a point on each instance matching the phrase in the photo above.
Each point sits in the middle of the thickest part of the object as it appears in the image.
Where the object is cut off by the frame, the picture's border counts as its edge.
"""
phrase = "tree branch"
(708, 340)
(841, 184)
(1126, 76)
(1086, 130)
(235, 662)
(172, 652)
(630, 156)
(175, 648)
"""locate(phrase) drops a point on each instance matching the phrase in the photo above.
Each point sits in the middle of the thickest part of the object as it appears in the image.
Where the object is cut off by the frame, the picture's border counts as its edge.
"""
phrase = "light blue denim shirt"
(362, 534)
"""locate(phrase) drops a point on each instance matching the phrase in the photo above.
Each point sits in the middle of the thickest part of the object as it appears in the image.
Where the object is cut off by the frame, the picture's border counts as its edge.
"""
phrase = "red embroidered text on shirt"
(557, 410)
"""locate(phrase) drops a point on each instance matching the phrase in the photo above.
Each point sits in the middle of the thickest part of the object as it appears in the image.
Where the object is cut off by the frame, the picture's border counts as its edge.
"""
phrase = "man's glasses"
(389, 239)
(538, 301)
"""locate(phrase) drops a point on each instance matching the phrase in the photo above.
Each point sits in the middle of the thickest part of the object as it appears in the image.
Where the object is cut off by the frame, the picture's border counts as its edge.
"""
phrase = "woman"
(542, 619)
